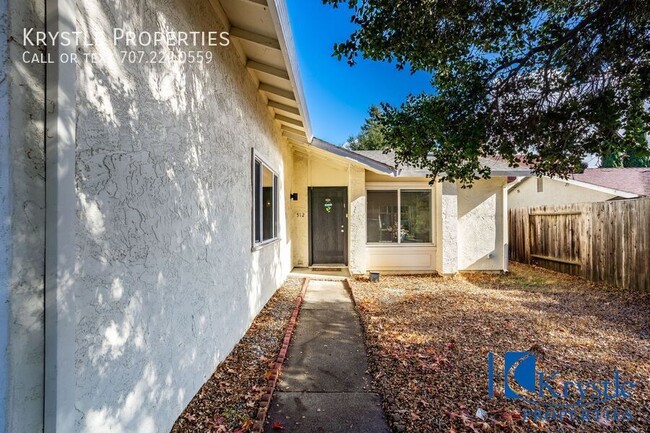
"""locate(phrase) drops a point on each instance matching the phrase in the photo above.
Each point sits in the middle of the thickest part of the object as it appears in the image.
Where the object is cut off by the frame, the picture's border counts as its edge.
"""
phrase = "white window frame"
(256, 206)
(399, 188)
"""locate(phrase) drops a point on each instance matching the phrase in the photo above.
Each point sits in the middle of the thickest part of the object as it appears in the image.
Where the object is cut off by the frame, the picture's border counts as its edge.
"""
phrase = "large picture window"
(399, 216)
(265, 206)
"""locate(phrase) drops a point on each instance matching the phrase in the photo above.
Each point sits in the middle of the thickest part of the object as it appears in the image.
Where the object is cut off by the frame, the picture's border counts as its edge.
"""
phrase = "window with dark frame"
(265, 206)
(399, 216)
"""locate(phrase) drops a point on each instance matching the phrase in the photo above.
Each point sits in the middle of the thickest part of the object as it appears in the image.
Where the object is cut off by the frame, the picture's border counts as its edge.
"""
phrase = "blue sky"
(338, 96)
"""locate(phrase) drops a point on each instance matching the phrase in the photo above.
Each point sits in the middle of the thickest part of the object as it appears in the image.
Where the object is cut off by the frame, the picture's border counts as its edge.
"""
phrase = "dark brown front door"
(328, 225)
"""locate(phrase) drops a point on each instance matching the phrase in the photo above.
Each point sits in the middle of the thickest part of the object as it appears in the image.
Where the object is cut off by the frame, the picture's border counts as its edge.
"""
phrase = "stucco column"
(448, 244)
(60, 217)
(357, 220)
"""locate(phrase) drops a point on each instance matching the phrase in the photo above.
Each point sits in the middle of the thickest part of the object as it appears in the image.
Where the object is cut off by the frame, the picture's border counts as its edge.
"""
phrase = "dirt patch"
(429, 339)
(228, 401)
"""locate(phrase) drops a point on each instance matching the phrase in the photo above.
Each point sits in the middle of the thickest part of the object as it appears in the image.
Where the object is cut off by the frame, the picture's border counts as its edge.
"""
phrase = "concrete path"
(324, 387)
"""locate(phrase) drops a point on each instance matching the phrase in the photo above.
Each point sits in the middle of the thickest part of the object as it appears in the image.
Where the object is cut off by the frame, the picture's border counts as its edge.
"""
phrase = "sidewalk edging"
(348, 288)
(276, 367)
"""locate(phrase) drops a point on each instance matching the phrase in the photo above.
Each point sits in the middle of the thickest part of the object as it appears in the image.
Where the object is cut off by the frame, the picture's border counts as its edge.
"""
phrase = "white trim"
(276, 202)
(513, 185)
(596, 187)
(262, 245)
(280, 16)
(399, 185)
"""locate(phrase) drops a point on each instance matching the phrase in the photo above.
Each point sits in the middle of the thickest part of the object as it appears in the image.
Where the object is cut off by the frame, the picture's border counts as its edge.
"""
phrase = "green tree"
(545, 81)
(371, 136)
(620, 160)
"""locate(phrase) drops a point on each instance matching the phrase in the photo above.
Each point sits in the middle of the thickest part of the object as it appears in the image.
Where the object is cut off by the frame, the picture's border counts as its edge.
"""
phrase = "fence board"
(604, 241)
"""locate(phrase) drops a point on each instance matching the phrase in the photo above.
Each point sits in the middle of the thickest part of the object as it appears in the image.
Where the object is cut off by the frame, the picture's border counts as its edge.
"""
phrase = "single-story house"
(392, 219)
(592, 185)
(174, 198)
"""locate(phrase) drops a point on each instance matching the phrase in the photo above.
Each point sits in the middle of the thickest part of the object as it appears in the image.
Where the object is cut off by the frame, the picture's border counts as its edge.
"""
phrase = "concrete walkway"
(324, 386)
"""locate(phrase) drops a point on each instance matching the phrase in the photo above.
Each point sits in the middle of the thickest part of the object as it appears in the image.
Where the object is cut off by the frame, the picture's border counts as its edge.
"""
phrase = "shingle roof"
(499, 167)
(633, 180)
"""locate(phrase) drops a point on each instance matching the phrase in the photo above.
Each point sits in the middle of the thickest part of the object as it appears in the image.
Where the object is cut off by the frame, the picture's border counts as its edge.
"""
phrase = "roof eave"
(605, 189)
(370, 163)
(280, 16)
(511, 172)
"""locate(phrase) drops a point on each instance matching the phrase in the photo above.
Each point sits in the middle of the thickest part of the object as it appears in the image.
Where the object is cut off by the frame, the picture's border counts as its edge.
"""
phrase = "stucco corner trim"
(60, 320)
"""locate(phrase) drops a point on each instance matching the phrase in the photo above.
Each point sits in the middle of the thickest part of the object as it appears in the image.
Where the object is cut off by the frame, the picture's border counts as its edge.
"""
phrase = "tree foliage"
(543, 82)
(621, 160)
(371, 136)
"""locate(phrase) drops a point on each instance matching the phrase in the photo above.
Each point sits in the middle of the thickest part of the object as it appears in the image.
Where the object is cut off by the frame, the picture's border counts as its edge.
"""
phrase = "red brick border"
(276, 367)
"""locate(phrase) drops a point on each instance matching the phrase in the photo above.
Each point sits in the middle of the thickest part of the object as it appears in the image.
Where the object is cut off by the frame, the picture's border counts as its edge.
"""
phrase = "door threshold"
(329, 267)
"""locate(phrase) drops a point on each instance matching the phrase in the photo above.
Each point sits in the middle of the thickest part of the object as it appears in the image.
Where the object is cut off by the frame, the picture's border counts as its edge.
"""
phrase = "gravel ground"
(228, 401)
(428, 339)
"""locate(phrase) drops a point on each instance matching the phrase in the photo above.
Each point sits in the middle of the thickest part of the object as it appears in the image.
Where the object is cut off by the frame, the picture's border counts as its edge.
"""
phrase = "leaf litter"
(228, 401)
(428, 338)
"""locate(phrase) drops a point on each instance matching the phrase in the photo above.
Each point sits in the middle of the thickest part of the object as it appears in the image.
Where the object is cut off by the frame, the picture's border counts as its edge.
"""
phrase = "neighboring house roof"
(498, 167)
(631, 180)
(262, 37)
(384, 163)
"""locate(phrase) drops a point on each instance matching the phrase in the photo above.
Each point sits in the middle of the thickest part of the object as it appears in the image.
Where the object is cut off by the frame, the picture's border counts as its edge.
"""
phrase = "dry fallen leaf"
(427, 339)
(229, 400)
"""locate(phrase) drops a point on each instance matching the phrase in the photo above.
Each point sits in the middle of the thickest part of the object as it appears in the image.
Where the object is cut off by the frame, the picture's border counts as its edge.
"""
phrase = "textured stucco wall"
(555, 191)
(480, 226)
(166, 282)
(447, 229)
(327, 171)
(357, 220)
(22, 203)
(299, 216)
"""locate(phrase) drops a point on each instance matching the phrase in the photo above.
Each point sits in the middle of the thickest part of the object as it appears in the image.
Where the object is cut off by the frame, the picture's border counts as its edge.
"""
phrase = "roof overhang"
(616, 192)
(324, 149)
(353, 156)
(604, 189)
(261, 34)
(510, 172)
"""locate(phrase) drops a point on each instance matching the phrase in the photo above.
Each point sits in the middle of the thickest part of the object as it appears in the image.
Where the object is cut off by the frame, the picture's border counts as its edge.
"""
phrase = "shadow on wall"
(480, 210)
(22, 222)
(166, 283)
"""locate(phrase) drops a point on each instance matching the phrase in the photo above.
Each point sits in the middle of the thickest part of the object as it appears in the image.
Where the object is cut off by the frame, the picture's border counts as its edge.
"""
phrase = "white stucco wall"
(555, 192)
(165, 280)
(481, 226)
(447, 229)
(22, 203)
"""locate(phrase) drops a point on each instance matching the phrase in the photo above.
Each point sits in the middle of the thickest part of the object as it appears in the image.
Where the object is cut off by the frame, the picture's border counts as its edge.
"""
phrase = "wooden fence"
(604, 241)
